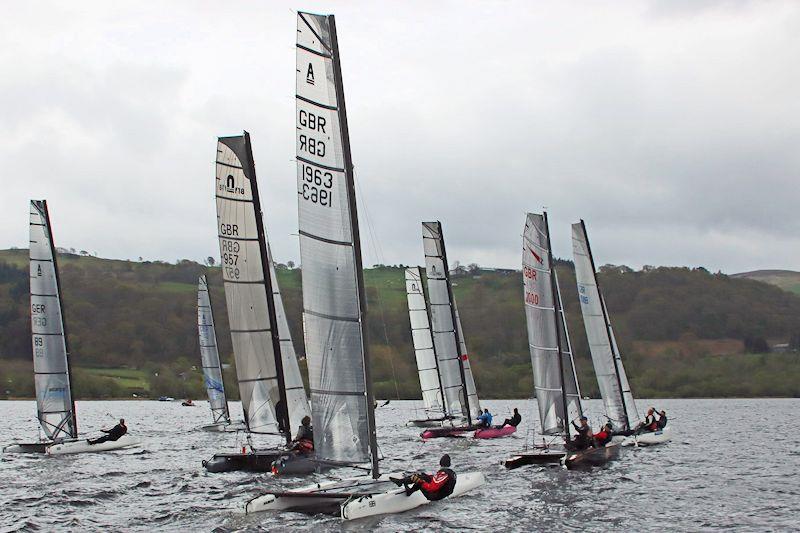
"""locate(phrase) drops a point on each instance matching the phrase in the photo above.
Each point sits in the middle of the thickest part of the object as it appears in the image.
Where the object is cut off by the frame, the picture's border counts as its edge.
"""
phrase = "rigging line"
(381, 260)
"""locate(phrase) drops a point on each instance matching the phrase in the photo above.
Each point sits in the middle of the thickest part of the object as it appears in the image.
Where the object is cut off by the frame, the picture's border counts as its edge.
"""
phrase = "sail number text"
(531, 298)
(317, 185)
(230, 252)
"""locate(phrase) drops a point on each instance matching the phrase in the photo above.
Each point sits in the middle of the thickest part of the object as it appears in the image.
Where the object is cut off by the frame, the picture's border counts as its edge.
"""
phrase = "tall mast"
(457, 333)
(63, 320)
(362, 297)
(556, 309)
(614, 354)
(282, 414)
(433, 344)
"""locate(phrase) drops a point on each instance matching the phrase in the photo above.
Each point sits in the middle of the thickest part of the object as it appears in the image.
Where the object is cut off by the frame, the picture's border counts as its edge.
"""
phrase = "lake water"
(733, 465)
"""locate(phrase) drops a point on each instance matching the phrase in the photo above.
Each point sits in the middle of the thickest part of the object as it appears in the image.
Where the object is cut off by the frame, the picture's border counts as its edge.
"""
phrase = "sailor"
(304, 441)
(514, 420)
(485, 419)
(435, 487)
(603, 437)
(111, 434)
(584, 437)
(649, 423)
(661, 423)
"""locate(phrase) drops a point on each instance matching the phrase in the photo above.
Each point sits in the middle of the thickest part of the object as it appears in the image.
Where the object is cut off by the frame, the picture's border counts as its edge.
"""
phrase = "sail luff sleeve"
(335, 349)
(54, 402)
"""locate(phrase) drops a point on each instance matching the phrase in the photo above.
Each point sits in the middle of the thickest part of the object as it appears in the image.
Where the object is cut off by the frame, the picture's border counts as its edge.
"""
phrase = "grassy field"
(787, 280)
(126, 378)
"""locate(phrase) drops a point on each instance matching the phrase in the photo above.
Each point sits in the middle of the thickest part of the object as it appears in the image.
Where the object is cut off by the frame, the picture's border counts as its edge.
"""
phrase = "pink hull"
(444, 432)
(494, 433)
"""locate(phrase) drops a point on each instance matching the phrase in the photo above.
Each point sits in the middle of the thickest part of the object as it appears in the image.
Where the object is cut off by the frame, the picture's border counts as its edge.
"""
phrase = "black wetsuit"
(112, 434)
(662, 422)
(581, 440)
(513, 421)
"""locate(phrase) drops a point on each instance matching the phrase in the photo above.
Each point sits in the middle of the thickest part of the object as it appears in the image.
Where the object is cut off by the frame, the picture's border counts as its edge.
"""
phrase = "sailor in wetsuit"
(303, 443)
(111, 434)
(485, 419)
(435, 487)
(513, 421)
(649, 423)
(603, 437)
(662, 420)
(584, 437)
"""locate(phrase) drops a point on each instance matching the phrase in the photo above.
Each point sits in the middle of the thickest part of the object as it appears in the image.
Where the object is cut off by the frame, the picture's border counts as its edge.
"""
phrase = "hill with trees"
(683, 332)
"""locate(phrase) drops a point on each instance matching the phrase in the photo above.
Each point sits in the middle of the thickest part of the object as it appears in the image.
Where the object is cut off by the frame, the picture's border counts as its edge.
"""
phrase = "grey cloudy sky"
(672, 128)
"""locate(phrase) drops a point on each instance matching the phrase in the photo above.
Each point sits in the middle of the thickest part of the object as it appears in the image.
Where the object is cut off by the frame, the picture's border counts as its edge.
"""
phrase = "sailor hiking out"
(434, 487)
(111, 434)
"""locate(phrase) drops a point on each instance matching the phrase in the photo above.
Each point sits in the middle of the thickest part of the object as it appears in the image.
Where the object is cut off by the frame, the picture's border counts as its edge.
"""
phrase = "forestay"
(553, 369)
(209, 355)
(333, 305)
(614, 388)
(54, 403)
(446, 340)
(295, 390)
(243, 274)
(423, 342)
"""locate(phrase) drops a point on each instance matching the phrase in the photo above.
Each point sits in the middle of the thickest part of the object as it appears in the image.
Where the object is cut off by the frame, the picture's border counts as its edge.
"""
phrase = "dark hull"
(427, 422)
(437, 433)
(297, 465)
(27, 447)
(592, 457)
(260, 461)
(542, 457)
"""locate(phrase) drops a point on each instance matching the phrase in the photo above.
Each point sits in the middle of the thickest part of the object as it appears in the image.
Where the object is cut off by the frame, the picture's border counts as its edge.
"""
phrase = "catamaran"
(334, 301)
(212, 367)
(615, 389)
(55, 406)
(424, 352)
(270, 386)
(554, 380)
(455, 371)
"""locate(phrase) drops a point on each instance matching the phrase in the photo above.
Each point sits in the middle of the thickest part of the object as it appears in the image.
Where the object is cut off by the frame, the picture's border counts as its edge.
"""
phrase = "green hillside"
(788, 280)
(683, 332)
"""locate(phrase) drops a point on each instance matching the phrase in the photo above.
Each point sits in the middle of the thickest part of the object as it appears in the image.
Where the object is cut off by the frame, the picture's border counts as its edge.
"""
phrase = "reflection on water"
(733, 464)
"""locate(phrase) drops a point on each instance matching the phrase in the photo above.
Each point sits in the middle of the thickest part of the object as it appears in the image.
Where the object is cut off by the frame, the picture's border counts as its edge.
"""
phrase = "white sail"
(614, 388)
(333, 310)
(423, 342)
(54, 403)
(446, 340)
(245, 284)
(295, 390)
(553, 368)
(469, 378)
(209, 355)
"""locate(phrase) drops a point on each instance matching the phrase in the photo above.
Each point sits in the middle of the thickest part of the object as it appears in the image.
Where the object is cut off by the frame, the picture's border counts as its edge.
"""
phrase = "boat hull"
(396, 500)
(538, 457)
(297, 465)
(592, 457)
(494, 433)
(83, 446)
(27, 447)
(224, 427)
(260, 461)
(649, 439)
(427, 422)
(448, 431)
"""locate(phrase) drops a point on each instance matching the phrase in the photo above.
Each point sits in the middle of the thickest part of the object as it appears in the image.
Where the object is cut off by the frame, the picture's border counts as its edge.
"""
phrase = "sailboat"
(55, 406)
(455, 370)
(554, 380)
(212, 367)
(334, 300)
(424, 352)
(270, 386)
(615, 389)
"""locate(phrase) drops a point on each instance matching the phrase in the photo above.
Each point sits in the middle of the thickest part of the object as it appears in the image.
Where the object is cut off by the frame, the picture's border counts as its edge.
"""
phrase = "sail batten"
(555, 382)
(209, 355)
(615, 390)
(334, 304)
(52, 379)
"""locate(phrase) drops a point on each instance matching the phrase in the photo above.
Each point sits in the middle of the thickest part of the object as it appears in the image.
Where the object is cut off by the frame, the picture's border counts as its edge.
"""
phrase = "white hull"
(388, 502)
(396, 501)
(224, 427)
(27, 447)
(82, 446)
(649, 439)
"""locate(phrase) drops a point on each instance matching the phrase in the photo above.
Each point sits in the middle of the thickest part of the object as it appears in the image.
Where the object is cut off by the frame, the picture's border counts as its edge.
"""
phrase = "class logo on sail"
(536, 256)
(310, 74)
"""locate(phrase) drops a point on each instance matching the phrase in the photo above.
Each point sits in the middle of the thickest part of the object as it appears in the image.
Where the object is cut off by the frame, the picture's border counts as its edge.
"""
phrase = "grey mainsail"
(209, 355)
(555, 383)
(469, 378)
(248, 289)
(334, 304)
(423, 342)
(614, 387)
(51, 358)
(447, 337)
